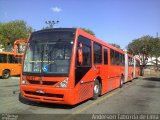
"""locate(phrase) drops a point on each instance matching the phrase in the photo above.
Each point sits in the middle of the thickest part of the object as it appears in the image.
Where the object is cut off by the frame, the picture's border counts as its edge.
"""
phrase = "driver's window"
(86, 50)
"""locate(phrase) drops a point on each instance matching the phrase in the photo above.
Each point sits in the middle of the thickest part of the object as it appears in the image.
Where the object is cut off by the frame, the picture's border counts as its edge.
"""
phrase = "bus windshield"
(48, 56)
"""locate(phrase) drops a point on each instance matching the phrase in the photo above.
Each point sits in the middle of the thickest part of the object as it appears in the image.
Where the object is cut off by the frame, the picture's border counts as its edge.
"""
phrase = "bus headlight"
(63, 84)
(24, 82)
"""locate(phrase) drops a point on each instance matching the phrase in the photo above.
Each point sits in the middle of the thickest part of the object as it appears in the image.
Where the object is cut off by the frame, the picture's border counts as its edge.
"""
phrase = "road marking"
(116, 91)
(92, 104)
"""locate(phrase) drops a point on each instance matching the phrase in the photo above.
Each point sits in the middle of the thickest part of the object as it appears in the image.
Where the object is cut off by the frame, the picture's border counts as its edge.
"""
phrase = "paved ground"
(141, 96)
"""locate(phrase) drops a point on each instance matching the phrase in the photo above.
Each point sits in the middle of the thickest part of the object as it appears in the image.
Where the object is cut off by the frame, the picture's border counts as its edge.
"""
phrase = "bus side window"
(117, 58)
(130, 61)
(97, 53)
(123, 60)
(112, 57)
(12, 59)
(105, 56)
(137, 63)
(3, 58)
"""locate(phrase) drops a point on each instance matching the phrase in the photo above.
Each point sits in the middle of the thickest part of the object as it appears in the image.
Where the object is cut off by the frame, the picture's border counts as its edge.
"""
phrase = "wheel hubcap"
(6, 74)
(96, 89)
(121, 81)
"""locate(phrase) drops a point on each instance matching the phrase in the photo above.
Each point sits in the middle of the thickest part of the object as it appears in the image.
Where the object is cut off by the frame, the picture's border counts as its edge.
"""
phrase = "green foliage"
(155, 51)
(13, 30)
(88, 31)
(145, 47)
(115, 45)
(47, 27)
(140, 46)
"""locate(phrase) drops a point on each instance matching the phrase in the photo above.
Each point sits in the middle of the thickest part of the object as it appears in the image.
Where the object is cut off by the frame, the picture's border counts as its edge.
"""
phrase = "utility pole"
(156, 54)
(51, 23)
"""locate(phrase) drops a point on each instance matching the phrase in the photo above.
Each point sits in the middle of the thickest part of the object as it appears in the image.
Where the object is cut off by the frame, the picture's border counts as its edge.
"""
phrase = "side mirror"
(80, 54)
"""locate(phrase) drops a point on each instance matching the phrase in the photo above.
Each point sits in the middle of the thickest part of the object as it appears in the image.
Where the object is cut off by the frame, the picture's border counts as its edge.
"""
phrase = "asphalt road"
(141, 96)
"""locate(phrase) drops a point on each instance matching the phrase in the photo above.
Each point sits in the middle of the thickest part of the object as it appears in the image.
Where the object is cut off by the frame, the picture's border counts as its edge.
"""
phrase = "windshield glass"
(51, 56)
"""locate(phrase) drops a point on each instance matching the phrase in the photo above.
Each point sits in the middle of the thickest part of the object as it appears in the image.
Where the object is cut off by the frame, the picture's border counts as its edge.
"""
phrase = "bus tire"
(132, 77)
(25, 101)
(96, 89)
(6, 74)
(121, 81)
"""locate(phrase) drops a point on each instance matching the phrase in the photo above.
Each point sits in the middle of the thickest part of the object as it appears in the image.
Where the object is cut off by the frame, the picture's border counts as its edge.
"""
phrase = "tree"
(88, 31)
(115, 45)
(47, 27)
(145, 47)
(155, 51)
(13, 30)
(142, 48)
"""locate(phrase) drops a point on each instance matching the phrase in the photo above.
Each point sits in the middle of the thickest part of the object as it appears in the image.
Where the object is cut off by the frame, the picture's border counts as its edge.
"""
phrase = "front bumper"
(48, 94)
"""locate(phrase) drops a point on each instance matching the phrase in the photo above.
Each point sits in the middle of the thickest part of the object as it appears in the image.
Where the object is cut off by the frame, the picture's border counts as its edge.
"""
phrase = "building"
(152, 61)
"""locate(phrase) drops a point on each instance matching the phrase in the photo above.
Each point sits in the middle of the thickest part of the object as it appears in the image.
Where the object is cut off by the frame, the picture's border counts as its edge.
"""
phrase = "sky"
(113, 21)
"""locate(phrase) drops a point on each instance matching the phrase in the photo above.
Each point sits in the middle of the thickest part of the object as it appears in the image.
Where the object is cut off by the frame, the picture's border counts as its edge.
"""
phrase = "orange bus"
(68, 66)
(10, 64)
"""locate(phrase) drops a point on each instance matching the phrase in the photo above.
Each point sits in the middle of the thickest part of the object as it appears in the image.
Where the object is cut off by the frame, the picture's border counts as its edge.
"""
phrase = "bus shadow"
(15, 75)
(48, 105)
(156, 79)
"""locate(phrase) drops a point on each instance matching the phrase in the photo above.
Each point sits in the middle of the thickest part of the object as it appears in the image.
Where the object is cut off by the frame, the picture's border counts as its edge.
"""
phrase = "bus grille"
(44, 94)
(42, 82)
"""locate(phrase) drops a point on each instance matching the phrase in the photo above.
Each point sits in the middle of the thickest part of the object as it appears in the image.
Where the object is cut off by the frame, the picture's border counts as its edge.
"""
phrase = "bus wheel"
(121, 81)
(132, 77)
(6, 74)
(25, 101)
(96, 89)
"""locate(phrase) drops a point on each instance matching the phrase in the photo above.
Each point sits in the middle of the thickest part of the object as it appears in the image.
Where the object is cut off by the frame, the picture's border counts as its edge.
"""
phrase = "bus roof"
(55, 29)
(100, 41)
(82, 31)
(79, 30)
